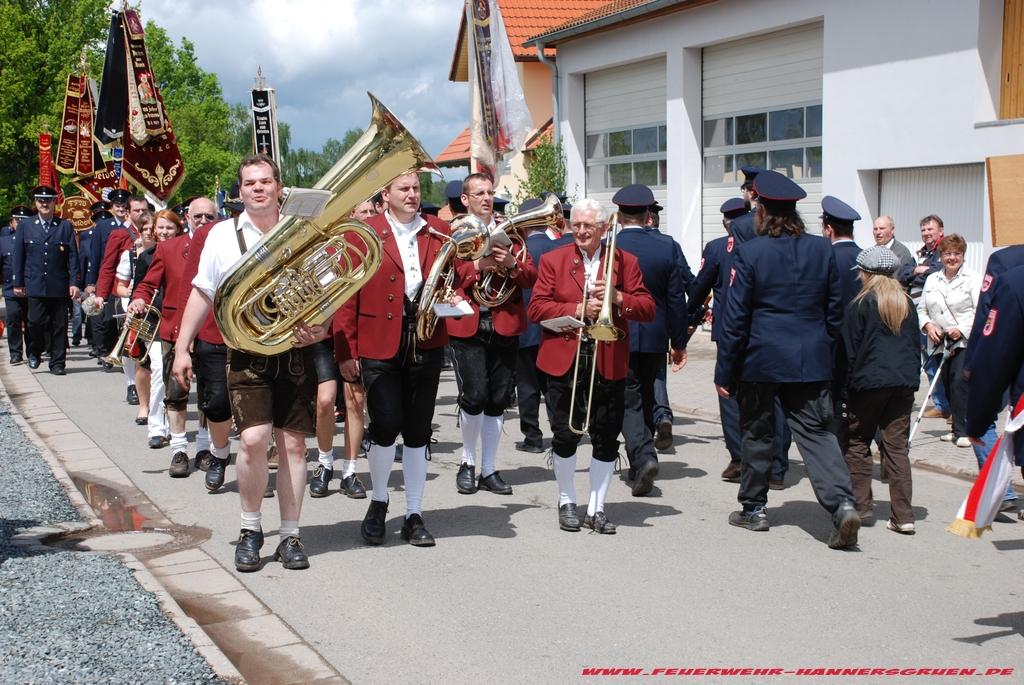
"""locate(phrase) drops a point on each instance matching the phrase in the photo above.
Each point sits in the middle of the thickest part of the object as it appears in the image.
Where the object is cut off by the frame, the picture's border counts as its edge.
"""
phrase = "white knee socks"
(471, 425)
(600, 477)
(414, 467)
(490, 435)
(565, 474)
(380, 460)
(326, 458)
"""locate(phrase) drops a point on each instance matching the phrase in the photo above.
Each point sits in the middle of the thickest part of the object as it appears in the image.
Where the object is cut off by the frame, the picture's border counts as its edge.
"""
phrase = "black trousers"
(400, 396)
(605, 412)
(955, 385)
(638, 417)
(105, 328)
(16, 319)
(808, 411)
(210, 363)
(48, 321)
(530, 384)
(485, 366)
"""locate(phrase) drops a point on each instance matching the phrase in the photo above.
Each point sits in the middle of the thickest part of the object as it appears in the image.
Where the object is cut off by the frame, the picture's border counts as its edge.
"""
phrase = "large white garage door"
(762, 107)
(954, 193)
(624, 117)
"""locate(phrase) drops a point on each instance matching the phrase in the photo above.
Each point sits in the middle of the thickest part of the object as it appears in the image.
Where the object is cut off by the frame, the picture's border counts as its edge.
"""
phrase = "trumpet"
(137, 336)
(603, 329)
(469, 240)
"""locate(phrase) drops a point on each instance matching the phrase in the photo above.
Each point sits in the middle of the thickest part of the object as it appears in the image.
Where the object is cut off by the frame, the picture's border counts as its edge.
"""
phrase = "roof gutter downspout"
(554, 92)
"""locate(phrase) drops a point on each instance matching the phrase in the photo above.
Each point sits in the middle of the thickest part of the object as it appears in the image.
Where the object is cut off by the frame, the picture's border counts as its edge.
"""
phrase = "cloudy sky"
(322, 57)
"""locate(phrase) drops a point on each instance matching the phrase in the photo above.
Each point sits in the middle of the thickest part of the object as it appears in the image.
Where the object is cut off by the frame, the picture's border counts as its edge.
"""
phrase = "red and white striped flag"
(982, 504)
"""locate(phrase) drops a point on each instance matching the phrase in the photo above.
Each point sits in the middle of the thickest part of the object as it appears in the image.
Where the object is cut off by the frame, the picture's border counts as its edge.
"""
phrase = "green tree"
(42, 45)
(545, 172)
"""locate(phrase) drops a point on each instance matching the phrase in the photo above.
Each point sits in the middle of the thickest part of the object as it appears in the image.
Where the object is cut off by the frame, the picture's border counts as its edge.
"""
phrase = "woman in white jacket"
(946, 312)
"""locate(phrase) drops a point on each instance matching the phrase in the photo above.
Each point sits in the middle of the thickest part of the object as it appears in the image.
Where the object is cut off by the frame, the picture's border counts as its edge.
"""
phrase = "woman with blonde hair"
(881, 337)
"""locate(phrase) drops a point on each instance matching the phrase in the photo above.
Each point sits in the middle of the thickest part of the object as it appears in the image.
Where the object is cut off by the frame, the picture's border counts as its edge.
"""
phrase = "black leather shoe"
(247, 551)
(179, 465)
(373, 529)
(663, 437)
(158, 442)
(16, 360)
(731, 474)
(33, 362)
(318, 484)
(93, 353)
(353, 487)
(75, 342)
(644, 481)
(203, 458)
(465, 479)
(531, 447)
(215, 473)
(107, 367)
(846, 523)
(599, 523)
(495, 484)
(416, 533)
(141, 420)
(58, 371)
(131, 397)
(568, 518)
(291, 554)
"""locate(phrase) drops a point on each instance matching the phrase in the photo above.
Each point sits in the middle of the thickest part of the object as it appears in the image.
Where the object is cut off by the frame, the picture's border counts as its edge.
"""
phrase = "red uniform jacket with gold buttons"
(168, 271)
(120, 239)
(209, 332)
(369, 325)
(559, 292)
(509, 318)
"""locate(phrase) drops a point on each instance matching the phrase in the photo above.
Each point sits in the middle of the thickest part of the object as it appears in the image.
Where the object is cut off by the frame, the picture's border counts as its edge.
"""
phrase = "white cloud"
(322, 57)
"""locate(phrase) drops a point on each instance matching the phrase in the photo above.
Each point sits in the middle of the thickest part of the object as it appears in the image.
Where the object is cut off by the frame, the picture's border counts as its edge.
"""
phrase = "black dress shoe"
(644, 481)
(33, 362)
(203, 458)
(291, 554)
(663, 438)
(353, 487)
(215, 473)
(141, 420)
(132, 396)
(465, 479)
(416, 533)
(179, 465)
(318, 484)
(107, 367)
(75, 342)
(93, 353)
(495, 484)
(247, 551)
(599, 523)
(58, 371)
(158, 442)
(16, 360)
(731, 474)
(846, 522)
(568, 518)
(532, 447)
(373, 529)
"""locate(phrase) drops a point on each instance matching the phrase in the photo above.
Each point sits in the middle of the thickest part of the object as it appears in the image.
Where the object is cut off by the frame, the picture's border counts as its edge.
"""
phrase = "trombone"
(603, 329)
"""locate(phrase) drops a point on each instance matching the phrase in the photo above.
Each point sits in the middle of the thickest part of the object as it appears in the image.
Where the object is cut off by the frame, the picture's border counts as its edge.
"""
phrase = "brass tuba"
(495, 288)
(303, 270)
(469, 240)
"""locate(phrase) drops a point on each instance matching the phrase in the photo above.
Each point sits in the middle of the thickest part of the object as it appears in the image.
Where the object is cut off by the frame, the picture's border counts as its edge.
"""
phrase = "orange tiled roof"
(605, 10)
(541, 134)
(523, 18)
(457, 152)
(609, 9)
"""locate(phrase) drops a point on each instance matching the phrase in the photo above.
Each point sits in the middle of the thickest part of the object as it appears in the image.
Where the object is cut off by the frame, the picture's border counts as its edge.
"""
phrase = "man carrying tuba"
(275, 392)
(572, 283)
(375, 339)
(484, 346)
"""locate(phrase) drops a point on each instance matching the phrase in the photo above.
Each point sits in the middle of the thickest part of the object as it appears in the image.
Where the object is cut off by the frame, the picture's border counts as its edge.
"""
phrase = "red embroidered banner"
(97, 185)
(145, 108)
(47, 174)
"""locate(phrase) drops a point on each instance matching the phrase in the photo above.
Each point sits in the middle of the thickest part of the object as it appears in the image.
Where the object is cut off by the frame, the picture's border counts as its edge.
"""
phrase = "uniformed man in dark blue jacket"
(743, 225)
(998, 360)
(16, 308)
(649, 342)
(46, 272)
(782, 317)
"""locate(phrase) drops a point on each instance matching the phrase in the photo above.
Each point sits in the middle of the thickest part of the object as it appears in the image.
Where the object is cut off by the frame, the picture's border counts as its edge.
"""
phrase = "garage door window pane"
(814, 121)
(596, 146)
(788, 162)
(718, 169)
(751, 159)
(814, 162)
(646, 173)
(645, 140)
(596, 177)
(751, 128)
(662, 138)
(620, 143)
(718, 132)
(620, 175)
(786, 124)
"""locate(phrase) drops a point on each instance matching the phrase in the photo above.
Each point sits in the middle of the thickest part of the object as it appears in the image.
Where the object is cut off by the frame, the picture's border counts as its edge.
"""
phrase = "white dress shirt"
(220, 252)
(406, 236)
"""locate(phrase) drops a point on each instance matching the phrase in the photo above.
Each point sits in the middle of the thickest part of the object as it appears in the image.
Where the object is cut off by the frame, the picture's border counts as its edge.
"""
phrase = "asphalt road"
(508, 597)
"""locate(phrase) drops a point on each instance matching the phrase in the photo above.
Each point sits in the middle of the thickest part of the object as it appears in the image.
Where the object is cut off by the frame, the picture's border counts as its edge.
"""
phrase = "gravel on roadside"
(73, 616)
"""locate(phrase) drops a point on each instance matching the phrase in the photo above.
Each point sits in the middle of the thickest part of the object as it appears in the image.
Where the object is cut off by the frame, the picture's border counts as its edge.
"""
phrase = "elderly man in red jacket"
(572, 283)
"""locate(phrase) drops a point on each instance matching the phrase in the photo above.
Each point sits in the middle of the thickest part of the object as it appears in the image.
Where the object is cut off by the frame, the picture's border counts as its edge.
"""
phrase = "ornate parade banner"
(145, 108)
(96, 186)
(47, 173)
(77, 153)
(264, 120)
(113, 101)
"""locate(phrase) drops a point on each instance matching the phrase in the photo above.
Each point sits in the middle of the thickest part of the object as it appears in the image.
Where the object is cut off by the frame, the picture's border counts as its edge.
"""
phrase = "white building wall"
(905, 85)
